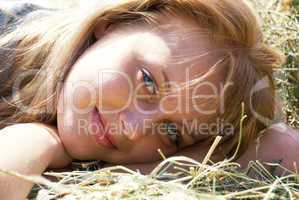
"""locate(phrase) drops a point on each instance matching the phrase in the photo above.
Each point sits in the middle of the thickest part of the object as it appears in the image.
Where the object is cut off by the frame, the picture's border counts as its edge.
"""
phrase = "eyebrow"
(166, 85)
(165, 76)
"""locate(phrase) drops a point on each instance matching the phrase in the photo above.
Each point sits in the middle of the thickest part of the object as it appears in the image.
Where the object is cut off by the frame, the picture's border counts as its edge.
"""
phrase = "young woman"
(116, 82)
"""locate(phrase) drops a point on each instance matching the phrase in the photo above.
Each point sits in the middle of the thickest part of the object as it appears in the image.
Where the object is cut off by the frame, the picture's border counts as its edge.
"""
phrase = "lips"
(99, 131)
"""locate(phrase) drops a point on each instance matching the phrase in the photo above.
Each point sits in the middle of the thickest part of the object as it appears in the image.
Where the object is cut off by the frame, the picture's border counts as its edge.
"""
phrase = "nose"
(135, 125)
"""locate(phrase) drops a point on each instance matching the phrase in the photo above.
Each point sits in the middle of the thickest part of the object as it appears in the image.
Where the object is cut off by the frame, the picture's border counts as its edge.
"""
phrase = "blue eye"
(173, 133)
(149, 82)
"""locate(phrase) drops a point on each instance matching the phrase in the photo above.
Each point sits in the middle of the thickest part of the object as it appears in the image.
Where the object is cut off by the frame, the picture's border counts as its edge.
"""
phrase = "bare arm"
(27, 149)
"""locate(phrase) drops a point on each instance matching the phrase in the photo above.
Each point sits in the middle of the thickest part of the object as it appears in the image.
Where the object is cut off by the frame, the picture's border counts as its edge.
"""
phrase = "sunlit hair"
(51, 45)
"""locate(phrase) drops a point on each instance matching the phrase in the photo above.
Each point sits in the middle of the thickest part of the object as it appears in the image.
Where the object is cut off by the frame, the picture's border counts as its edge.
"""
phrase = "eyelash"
(149, 82)
(174, 134)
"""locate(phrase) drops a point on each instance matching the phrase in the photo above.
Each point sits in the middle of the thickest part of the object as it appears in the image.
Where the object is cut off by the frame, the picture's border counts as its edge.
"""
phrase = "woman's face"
(120, 102)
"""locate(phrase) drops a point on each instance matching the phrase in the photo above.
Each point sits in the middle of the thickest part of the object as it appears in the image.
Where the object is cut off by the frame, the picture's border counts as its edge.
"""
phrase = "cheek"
(77, 145)
(83, 97)
(64, 124)
(74, 139)
(79, 95)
